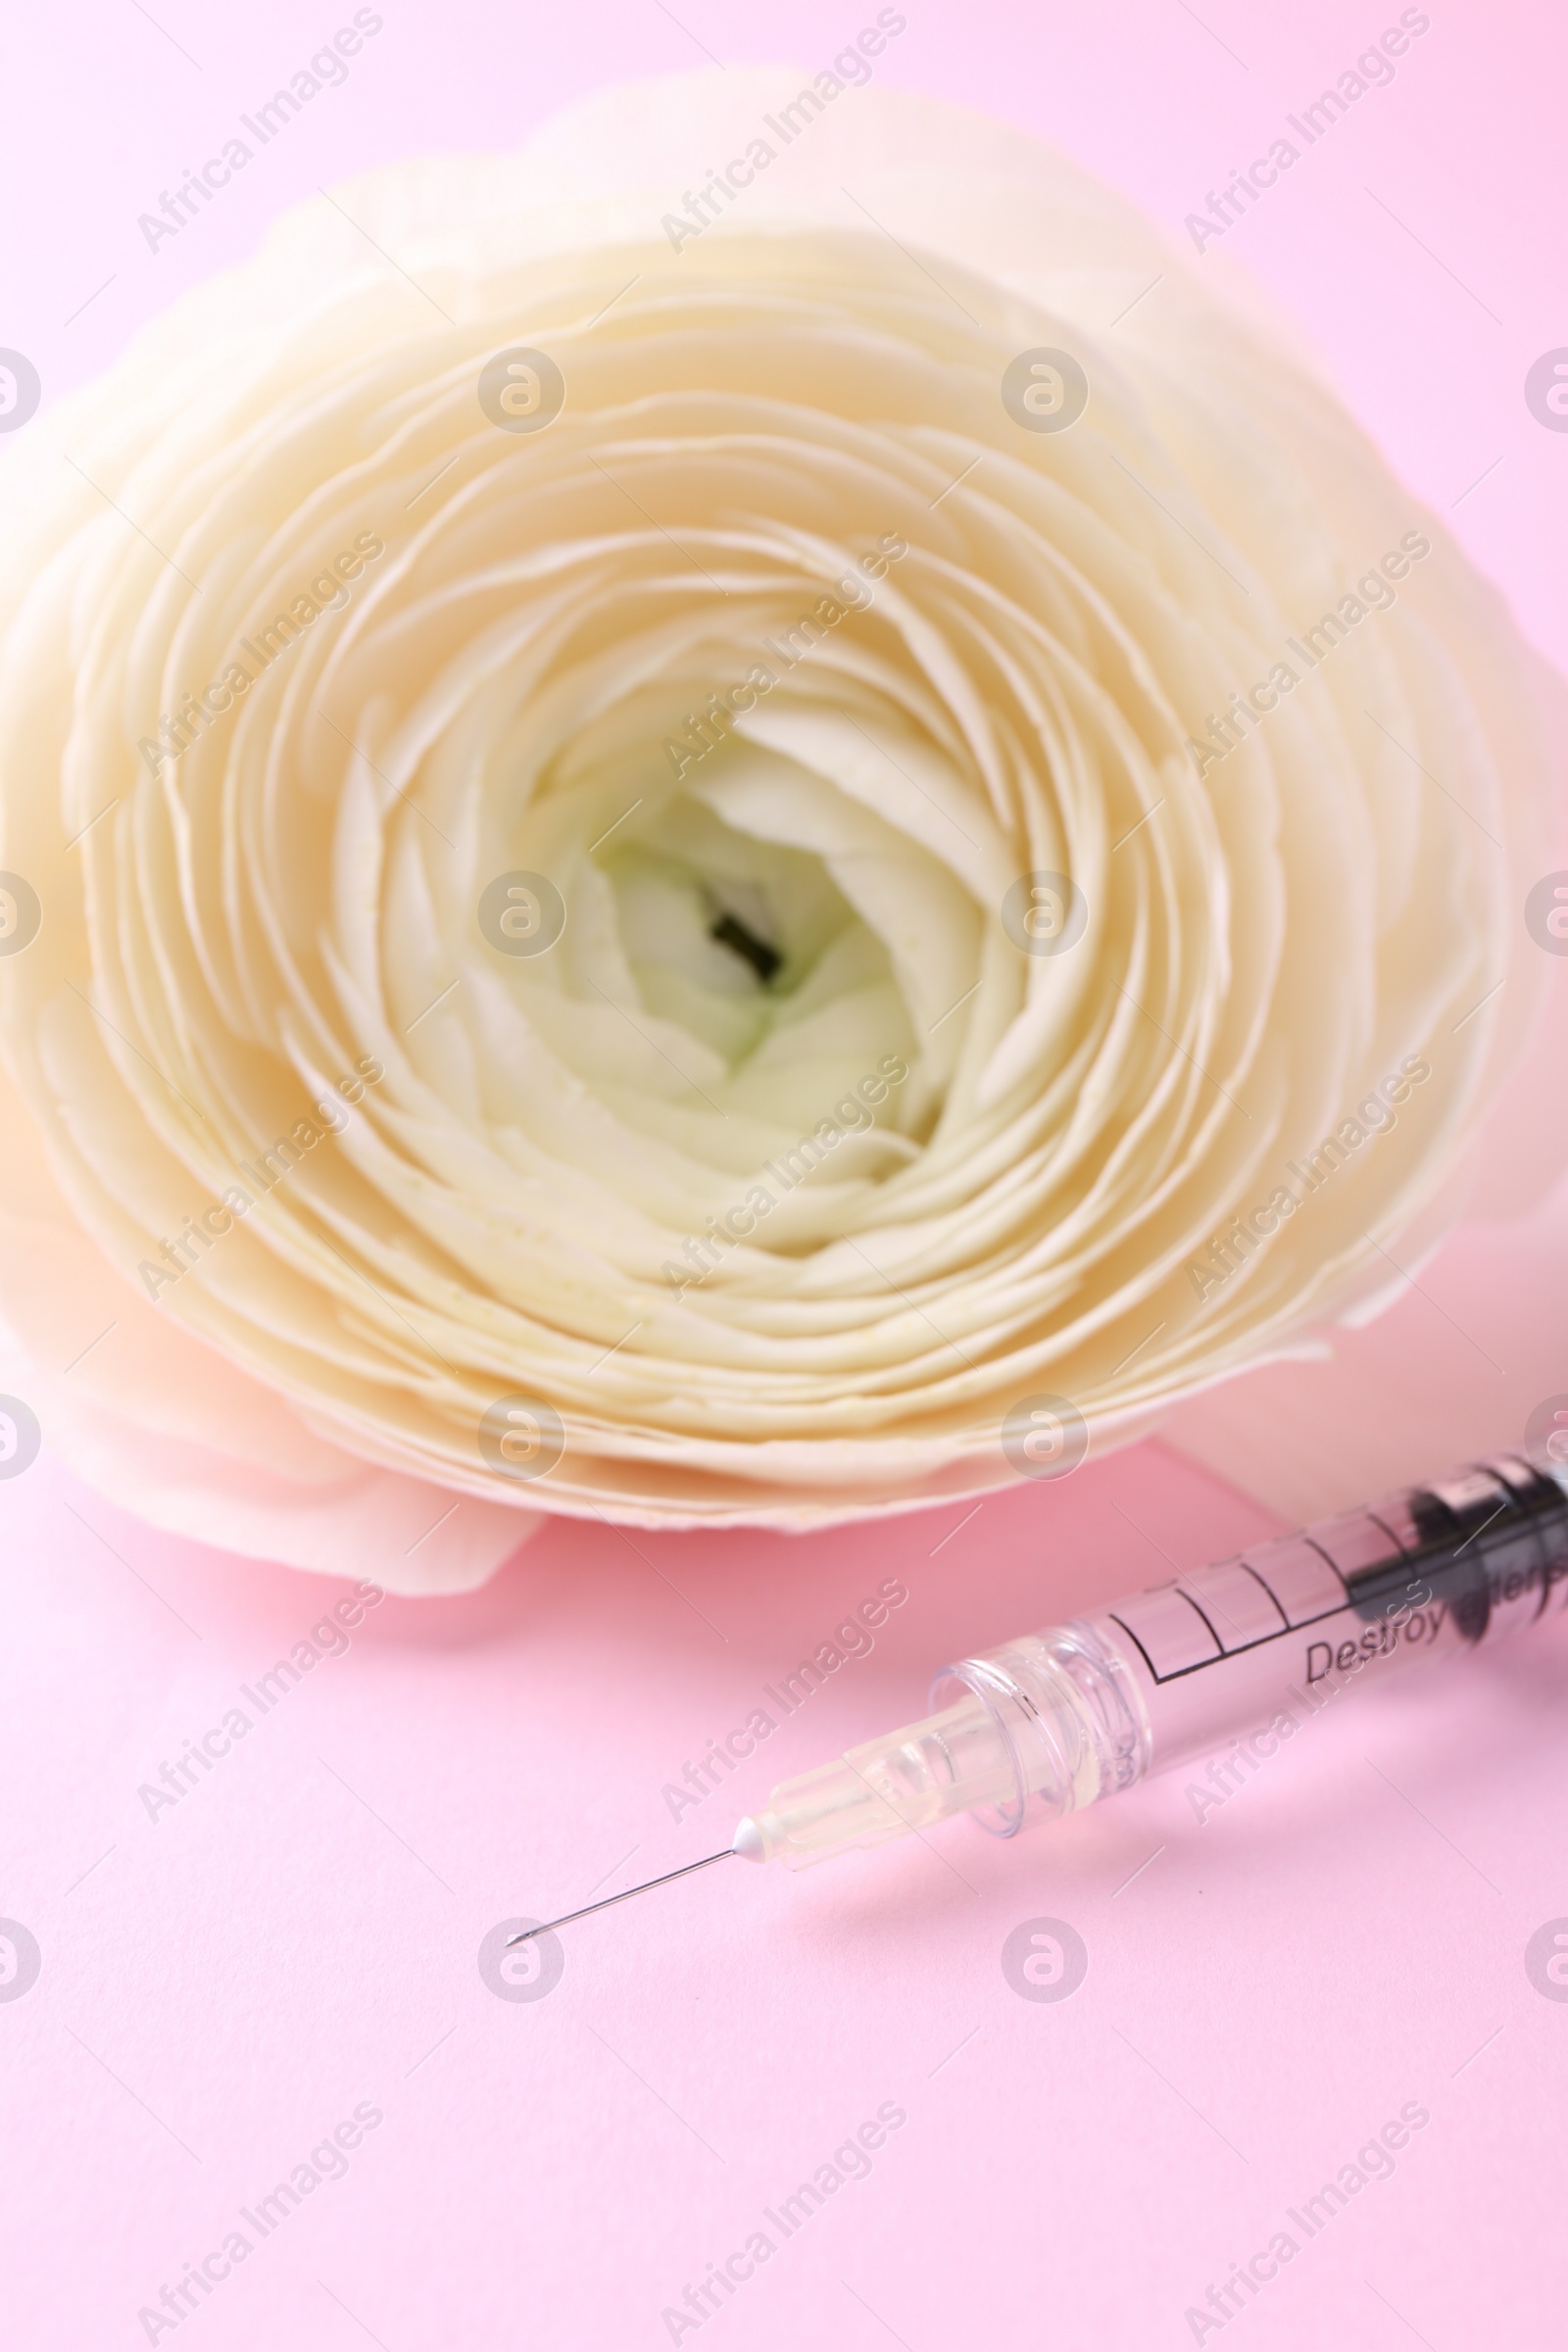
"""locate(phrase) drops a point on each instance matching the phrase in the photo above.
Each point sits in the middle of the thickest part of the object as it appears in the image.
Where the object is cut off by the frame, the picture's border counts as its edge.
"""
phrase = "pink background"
(221, 1986)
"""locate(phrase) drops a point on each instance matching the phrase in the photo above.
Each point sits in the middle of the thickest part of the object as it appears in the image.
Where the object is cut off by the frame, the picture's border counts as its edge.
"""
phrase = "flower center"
(735, 937)
(730, 932)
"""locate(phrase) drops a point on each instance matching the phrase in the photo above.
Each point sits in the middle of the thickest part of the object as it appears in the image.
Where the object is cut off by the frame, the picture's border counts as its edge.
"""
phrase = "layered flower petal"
(750, 861)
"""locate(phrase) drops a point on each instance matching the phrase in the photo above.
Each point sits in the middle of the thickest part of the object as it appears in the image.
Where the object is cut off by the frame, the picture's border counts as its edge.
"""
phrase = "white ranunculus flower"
(700, 845)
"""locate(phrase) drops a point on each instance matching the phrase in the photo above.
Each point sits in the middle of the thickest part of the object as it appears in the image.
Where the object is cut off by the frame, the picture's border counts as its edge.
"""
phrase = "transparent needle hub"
(1046, 1723)
(911, 1780)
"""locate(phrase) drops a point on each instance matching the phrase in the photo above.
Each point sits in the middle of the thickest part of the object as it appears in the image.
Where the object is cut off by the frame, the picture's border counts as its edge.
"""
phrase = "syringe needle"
(684, 1871)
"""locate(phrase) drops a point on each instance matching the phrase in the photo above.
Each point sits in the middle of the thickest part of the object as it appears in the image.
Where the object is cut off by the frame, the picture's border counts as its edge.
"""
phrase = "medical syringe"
(1055, 1719)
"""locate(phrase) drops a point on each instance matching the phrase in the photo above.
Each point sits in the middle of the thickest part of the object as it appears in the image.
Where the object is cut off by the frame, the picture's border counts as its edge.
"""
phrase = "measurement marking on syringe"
(1393, 1539)
(1334, 1564)
(1142, 1653)
(1204, 1613)
(1263, 1585)
(1175, 1673)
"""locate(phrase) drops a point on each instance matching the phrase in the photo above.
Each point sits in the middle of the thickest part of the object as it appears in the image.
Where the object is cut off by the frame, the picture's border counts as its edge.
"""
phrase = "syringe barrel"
(1242, 1651)
(1250, 1648)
